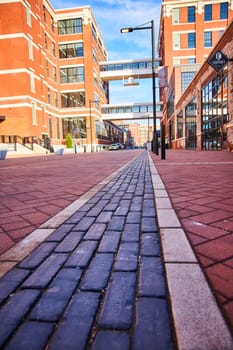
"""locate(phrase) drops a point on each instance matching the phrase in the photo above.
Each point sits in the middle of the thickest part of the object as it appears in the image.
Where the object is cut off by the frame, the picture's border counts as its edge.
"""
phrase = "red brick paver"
(33, 189)
(200, 186)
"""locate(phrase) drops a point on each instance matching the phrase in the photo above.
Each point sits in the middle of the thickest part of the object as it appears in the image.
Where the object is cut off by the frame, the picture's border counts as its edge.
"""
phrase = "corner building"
(189, 30)
(49, 73)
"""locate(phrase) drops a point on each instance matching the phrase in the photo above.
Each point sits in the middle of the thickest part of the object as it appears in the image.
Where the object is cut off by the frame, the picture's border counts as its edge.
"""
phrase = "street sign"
(218, 60)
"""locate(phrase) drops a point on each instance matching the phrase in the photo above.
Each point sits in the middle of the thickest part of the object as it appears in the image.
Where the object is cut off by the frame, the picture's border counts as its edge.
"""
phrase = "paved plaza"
(117, 250)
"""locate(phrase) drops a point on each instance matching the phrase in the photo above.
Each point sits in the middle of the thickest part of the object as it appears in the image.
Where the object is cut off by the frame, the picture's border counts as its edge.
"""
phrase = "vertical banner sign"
(218, 60)
(162, 75)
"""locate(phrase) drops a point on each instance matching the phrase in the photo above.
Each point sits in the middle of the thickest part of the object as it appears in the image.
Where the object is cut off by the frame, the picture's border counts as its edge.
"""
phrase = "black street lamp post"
(155, 147)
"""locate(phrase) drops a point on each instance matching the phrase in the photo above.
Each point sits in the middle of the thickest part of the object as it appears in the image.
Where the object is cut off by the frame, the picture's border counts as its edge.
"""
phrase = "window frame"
(192, 40)
(191, 15)
(67, 75)
(208, 39)
(223, 10)
(208, 12)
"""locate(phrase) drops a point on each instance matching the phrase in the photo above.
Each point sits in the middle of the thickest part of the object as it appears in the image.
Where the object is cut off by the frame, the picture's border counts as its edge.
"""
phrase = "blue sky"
(111, 16)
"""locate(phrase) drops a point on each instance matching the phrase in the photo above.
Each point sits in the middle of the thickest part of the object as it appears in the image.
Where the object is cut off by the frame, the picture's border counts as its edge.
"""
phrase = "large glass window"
(191, 124)
(180, 124)
(224, 10)
(208, 12)
(215, 113)
(73, 99)
(207, 39)
(71, 50)
(76, 127)
(70, 26)
(186, 78)
(191, 14)
(71, 75)
(170, 104)
(191, 40)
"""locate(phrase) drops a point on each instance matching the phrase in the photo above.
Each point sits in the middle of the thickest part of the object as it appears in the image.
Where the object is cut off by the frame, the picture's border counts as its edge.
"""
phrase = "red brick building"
(189, 30)
(203, 117)
(49, 73)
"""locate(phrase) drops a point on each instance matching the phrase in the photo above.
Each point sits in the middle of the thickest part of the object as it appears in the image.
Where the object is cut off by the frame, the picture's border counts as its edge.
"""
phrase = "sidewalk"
(101, 255)
(200, 186)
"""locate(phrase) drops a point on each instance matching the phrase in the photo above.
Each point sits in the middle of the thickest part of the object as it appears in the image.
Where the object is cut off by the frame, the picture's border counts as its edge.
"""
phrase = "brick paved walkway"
(200, 185)
(101, 247)
(36, 188)
(97, 281)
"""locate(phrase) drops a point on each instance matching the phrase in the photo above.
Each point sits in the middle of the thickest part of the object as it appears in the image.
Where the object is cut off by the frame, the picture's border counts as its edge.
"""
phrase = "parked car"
(114, 146)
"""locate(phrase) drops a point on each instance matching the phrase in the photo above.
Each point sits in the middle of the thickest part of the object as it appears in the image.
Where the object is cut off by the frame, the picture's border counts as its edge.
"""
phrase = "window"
(191, 60)
(46, 41)
(207, 39)
(72, 75)
(94, 34)
(55, 74)
(191, 14)
(191, 40)
(52, 24)
(180, 125)
(73, 99)
(50, 127)
(44, 13)
(71, 50)
(175, 16)
(70, 26)
(54, 49)
(56, 98)
(176, 41)
(95, 80)
(208, 12)
(221, 32)
(58, 128)
(176, 61)
(74, 126)
(94, 54)
(48, 96)
(171, 104)
(214, 113)
(47, 68)
(186, 78)
(224, 10)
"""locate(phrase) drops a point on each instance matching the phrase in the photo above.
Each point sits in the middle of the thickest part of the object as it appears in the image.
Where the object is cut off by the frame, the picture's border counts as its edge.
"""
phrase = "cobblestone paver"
(97, 282)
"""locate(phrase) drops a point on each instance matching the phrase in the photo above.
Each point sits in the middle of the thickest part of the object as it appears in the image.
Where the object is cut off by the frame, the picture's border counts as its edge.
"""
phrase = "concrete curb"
(198, 321)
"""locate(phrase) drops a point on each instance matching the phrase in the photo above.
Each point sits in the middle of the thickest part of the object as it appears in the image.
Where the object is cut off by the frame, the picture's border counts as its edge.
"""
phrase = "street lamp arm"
(140, 27)
(130, 29)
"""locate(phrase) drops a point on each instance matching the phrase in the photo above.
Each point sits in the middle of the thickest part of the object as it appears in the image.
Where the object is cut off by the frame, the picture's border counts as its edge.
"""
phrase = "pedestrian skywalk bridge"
(125, 69)
(130, 72)
(130, 111)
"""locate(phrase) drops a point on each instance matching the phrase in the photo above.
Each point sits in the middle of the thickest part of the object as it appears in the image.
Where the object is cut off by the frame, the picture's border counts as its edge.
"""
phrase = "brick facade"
(35, 96)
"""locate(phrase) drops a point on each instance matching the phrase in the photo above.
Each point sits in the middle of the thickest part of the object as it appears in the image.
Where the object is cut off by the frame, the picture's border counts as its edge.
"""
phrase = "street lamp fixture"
(155, 147)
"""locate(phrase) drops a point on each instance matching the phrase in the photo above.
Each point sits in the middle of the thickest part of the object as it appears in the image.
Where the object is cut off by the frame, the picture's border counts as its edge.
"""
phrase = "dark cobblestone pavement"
(97, 282)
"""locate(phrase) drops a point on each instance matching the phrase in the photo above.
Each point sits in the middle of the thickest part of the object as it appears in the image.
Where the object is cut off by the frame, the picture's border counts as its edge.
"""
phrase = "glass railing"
(129, 65)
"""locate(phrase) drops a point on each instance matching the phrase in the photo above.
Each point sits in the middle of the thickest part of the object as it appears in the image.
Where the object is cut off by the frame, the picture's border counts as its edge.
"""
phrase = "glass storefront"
(76, 127)
(191, 124)
(214, 113)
